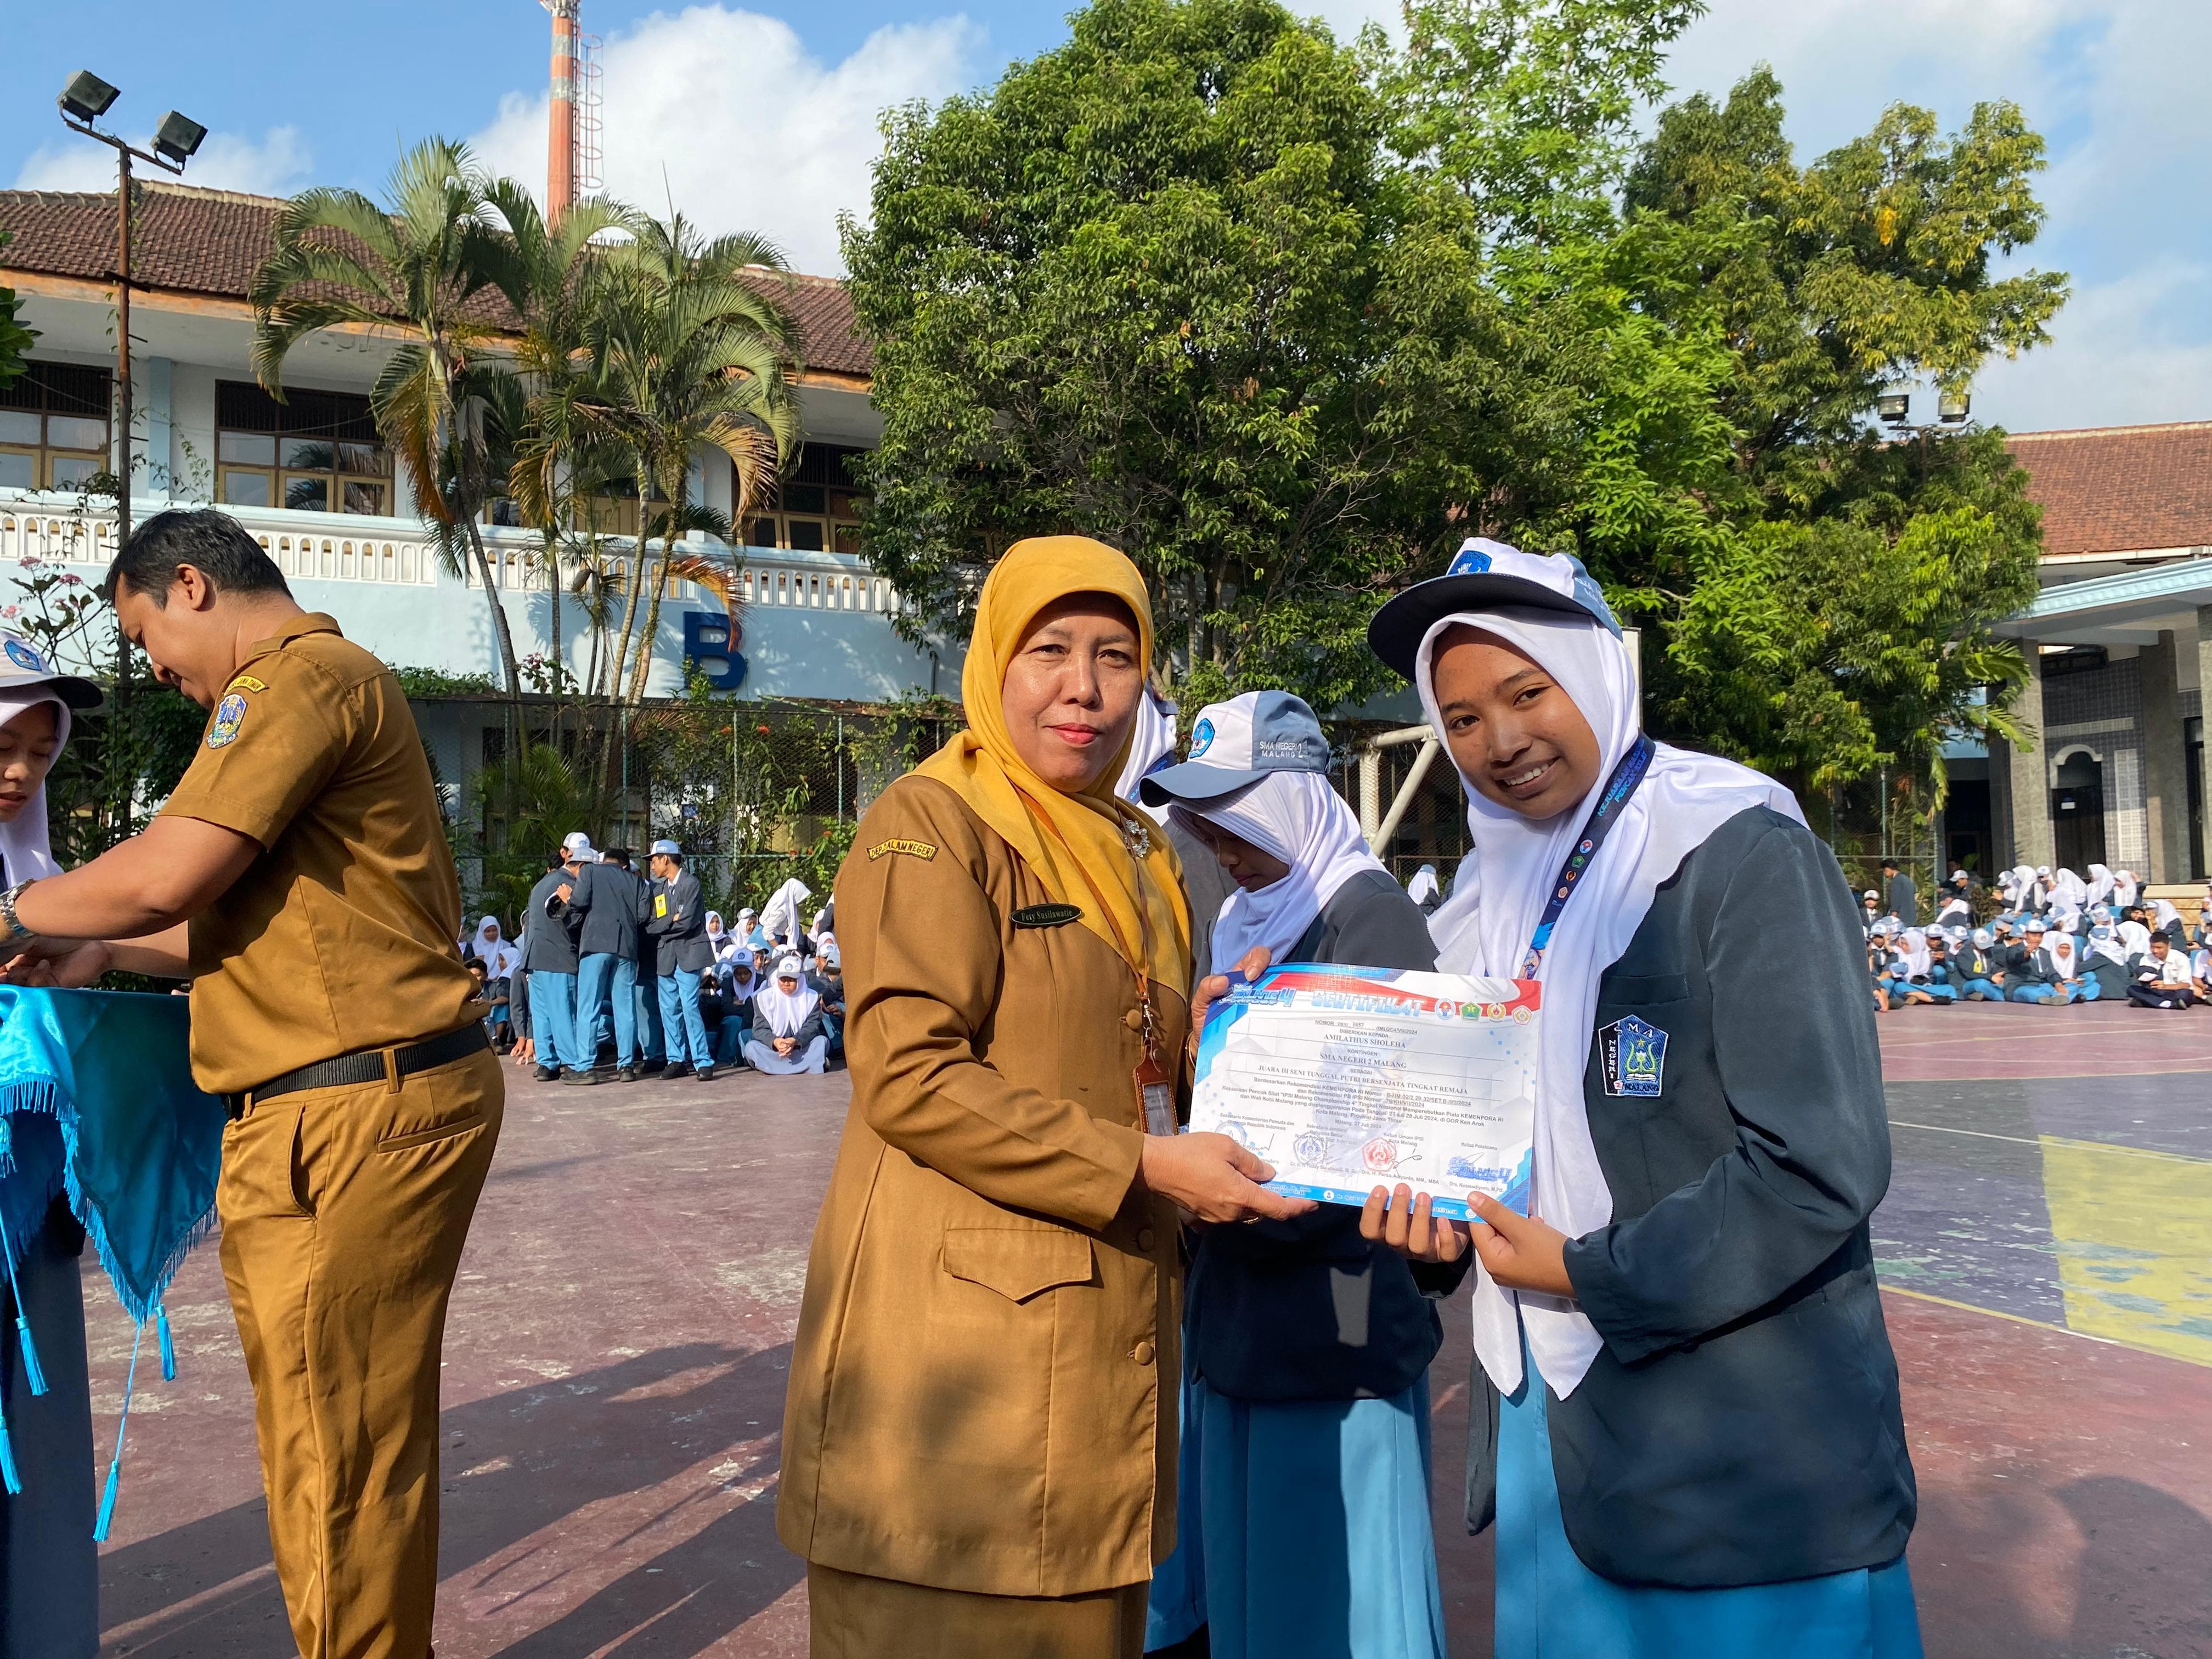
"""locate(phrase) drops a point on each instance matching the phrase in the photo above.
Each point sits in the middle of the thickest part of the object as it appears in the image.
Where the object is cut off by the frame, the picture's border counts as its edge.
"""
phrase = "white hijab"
(1152, 743)
(2100, 883)
(498, 958)
(2113, 946)
(2134, 940)
(2065, 954)
(1913, 958)
(1486, 927)
(2124, 888)
(1302, 820)
(780, 913)
(1424, 885)
(25, 843)
(2070, 888)
(786, 1011)
(2163, 915)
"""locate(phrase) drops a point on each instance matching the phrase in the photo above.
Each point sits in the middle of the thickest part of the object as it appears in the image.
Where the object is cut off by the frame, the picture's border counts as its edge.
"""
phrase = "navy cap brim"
(1193, 780)
(1396, 632)
(76, 692)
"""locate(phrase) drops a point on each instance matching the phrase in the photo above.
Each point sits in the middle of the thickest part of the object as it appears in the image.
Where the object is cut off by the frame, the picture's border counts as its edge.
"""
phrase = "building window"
(817, 508)
(317, 451)
(53, 428)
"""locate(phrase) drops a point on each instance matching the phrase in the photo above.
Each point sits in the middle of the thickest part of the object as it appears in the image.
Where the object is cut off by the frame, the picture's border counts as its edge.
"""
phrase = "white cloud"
(726, 113)
(2114, 361)
(277, 165)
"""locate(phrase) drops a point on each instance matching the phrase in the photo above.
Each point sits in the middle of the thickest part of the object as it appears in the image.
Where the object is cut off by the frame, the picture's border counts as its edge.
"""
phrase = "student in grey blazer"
(676, 921)
(1687, 1426)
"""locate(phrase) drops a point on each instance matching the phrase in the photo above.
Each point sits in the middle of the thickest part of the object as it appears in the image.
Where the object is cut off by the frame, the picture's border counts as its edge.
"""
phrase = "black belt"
(369, 1066)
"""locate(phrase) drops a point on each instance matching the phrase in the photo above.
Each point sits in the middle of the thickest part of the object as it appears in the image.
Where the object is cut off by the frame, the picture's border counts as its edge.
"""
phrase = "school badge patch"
(229, 715)
(1635, 1057)
(24, 658)
(914, 849)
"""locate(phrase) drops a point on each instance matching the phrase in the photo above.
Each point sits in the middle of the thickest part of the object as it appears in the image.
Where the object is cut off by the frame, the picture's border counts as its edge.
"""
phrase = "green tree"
(428, 267)
(1129, 292)
(14, 339)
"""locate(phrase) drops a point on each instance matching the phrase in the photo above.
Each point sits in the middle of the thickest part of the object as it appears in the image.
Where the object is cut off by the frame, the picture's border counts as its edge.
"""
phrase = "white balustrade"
(337, 547)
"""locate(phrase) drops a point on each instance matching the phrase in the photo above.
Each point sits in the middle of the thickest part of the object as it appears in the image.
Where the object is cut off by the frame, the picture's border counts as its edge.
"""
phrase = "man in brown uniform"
(300, 877)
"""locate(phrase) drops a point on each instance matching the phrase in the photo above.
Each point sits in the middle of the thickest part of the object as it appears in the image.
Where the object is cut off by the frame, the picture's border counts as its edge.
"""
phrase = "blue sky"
(762, 116)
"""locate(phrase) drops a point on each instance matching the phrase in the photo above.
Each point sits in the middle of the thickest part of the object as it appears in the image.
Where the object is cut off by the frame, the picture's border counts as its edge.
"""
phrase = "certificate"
(1345, 1078)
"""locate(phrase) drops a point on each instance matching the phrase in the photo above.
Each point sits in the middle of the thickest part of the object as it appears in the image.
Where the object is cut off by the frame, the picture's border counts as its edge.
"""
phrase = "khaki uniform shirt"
(341, 936)
(984, 1382)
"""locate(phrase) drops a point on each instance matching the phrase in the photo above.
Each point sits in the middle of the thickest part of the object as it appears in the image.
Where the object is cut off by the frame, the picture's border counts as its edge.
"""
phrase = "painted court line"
(2054, 1140)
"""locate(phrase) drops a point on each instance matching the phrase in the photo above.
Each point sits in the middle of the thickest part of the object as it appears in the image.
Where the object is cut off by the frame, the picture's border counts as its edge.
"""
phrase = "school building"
(309, 477)
(2118, 644)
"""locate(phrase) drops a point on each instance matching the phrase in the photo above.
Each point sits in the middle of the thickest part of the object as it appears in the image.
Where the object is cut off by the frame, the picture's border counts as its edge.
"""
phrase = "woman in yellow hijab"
(979, 1444)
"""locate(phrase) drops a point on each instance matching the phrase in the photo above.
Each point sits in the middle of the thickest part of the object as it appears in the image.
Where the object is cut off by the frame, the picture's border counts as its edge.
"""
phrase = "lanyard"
(1627, 774)
(1137, 960)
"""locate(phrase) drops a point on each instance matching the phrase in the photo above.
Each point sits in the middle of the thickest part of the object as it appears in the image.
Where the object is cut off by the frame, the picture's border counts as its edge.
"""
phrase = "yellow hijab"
(1146, 911)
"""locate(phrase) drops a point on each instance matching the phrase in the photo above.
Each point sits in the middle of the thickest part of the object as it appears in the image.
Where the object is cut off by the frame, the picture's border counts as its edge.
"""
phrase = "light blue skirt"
(1302, 1528)
(1550, 1606)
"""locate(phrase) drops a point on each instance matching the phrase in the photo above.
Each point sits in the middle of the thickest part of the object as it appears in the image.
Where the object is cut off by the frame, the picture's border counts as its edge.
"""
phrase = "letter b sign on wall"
(710, 638)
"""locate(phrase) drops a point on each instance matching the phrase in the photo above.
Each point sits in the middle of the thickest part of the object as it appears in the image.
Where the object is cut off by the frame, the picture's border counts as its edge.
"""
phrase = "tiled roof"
(190, 241)
(2120, 489)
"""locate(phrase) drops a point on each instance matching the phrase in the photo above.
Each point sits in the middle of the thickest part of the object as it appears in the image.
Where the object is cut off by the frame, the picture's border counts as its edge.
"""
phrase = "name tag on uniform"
(1046, 915)
(660, 905)
(1634, 1055)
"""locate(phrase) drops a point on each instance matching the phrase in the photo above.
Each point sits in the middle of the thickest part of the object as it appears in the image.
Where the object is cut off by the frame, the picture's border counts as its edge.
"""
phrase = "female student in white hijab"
(1205, 885)
(1700, 1450)
(502, 964)
(1426, 891)
(788, 1034)
(1306, 1348)
(49, 1565)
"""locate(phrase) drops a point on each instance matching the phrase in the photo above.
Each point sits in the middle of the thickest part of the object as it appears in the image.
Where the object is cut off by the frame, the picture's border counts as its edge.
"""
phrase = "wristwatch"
(14, 936)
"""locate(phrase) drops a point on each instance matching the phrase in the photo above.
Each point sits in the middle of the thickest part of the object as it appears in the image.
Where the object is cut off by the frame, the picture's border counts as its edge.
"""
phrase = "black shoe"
(676, 1068)
(627, 1074)
(705, 1074)
(549, 1074)
(572, 1075)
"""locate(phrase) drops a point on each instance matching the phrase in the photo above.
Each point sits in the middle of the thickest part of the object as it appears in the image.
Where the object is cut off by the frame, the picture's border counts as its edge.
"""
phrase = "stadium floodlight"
(178, 137)
(87, 97)
(1893, 407)
(1953, 407)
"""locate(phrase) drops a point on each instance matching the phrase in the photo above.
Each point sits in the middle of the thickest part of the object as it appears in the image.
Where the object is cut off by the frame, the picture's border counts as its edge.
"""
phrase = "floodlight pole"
(124, 152)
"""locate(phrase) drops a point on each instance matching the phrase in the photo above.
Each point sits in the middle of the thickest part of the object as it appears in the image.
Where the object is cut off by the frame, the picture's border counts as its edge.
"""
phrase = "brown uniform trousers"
(343, 1213)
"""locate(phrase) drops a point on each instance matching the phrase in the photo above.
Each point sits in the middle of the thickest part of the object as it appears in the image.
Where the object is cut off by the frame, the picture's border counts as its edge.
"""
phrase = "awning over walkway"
(2132, 608)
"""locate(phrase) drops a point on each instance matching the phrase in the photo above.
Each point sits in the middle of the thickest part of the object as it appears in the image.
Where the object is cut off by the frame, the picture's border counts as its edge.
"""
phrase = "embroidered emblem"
(1045, 916)
(914, 849)
(23, 657)
(229, 715)
(248, 683)
(1201, 739)
(1635, 1057)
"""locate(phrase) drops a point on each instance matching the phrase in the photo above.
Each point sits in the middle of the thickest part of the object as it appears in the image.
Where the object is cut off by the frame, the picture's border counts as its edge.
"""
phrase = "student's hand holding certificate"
(1521, 1253)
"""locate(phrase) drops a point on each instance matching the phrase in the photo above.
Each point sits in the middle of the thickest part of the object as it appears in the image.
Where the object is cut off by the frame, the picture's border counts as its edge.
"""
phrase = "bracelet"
(16, 936)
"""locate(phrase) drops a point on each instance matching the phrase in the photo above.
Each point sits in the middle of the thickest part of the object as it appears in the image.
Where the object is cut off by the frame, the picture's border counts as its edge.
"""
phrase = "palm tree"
(687, 353)
(419, 268)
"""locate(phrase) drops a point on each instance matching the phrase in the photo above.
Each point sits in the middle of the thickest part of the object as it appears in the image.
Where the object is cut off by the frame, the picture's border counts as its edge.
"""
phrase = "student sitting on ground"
(1917, 974)
(2071, 959)
(2031, 976)
(789, 1034)
(1978, 969)
(2162, 979)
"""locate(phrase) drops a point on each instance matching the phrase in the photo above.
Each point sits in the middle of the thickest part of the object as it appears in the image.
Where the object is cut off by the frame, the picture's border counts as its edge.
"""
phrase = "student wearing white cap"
(1286, 1390)
(1980, 970)
(677, 920)
(1700, 1448)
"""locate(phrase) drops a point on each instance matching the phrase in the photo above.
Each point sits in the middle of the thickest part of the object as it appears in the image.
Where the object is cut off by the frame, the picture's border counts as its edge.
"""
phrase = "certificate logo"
(1310, 1149)
(1380, 1155)
(1635, 1057)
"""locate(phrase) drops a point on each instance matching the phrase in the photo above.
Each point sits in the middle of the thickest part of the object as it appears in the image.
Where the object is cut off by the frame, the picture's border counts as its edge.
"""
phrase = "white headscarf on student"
(2163, 915)
(2065, 951)
(1425, 886)
(2067, 888)
(1151, 745)
(1913, 958)
(500, 958)
(25, 843)
(1486, 925)
(1302, 820)
(786, 1011)
(2125, 889)
(780, 915)
(2100, 885)
(2107, 941)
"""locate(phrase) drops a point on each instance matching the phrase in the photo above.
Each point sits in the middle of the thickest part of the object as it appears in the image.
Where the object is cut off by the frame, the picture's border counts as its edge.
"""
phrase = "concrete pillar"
(2166, 764)
(2204, 699)
(2027, 771)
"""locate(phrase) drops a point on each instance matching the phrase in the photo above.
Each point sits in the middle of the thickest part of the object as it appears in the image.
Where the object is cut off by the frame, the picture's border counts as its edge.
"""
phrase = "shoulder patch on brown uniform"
(248, 683)
(914, 849)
